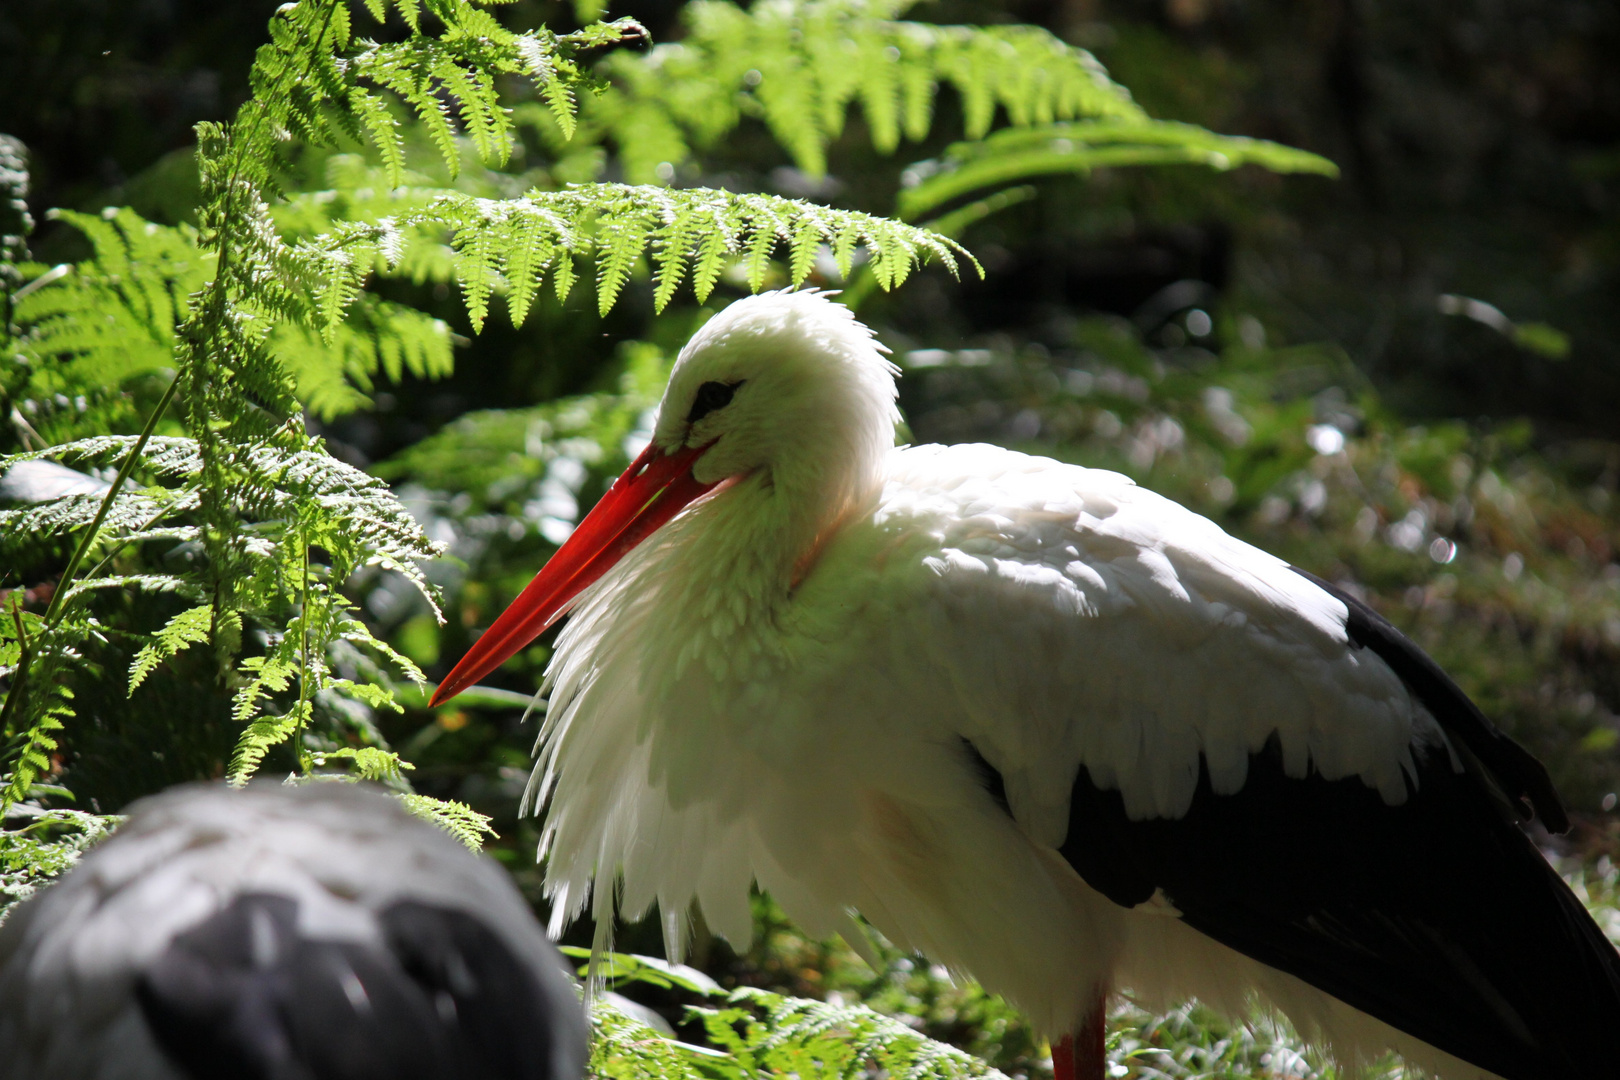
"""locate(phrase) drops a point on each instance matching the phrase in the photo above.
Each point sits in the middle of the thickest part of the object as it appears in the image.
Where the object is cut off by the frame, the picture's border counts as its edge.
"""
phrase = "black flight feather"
(1437, 916)
(1523, 777)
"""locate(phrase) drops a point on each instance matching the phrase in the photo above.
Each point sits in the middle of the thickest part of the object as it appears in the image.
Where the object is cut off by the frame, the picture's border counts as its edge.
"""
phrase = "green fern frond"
(370, 762)
(84, 331)
(538, 239)
(189, 627)
(754, 1032)
(616, 224)
(307, 77)
(28, 525)
(355, 632)
(625, 1048)
(456, 818)
(393, 71)
(477, 267)
(149, 583)
(350, 514)
(378, 697)
(297, 496)
(42, 850)
(1016, 154)
(382, 130)
(620, 242)
(113, 318)
(164, 456)
(324, 624)
(266, 674)
(333, 375)
(715, 245)
(323, 371)
(260, 737)
(836, 1042)
(800, 64)
(32, 757)
(280, 523)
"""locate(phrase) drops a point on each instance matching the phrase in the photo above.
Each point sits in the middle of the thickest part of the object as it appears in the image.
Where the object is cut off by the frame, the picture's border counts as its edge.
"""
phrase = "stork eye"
(711, 396)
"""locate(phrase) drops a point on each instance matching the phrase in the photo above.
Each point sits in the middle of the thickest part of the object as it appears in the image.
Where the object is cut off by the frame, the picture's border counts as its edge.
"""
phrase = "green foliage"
(517, 242)
(815, 1038)
(31, 750)
(1186, 1042)
(456, 818)
(751, 1032)
(85, 332)
(1017, 154)
(190, 627)
(496, 457)
(273, 523)
(43, 849)
(1193, 1042)
(90, 333)
(799, 67)
(376, 340)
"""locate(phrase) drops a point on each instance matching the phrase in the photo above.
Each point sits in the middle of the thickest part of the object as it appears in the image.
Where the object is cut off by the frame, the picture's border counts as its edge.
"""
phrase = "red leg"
(1080, 1056)
(1063, 1058)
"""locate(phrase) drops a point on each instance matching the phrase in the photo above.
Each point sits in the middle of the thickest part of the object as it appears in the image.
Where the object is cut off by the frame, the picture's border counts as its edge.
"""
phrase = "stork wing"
(1181, 714)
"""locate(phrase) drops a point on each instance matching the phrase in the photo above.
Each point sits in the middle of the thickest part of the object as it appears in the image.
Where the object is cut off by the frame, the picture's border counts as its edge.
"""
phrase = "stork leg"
(1080, 1056)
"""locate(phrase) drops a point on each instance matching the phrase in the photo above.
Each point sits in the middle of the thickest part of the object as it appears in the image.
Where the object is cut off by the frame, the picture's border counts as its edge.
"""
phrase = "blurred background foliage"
(1403, 379)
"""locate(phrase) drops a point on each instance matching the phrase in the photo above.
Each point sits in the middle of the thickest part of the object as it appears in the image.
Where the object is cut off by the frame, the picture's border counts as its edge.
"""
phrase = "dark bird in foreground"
(314, 933)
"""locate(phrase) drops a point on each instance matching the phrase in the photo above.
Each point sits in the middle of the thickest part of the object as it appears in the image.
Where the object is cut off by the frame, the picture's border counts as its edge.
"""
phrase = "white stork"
(1041, 724)
(319, 933)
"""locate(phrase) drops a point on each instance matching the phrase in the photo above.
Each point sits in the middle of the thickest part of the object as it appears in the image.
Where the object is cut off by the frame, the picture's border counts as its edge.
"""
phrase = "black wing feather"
(1438, 916)
(244, 995)
(1523, 777)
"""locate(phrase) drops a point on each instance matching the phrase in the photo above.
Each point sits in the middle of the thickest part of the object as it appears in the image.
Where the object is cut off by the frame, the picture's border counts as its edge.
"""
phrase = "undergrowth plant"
(221, 503)
(749, 1032)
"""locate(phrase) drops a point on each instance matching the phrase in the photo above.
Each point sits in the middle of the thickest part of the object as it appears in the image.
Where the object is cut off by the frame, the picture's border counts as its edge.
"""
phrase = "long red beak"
(652, 490)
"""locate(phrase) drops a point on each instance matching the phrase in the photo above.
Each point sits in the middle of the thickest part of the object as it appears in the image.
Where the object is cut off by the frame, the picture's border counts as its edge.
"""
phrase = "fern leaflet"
(190, 627)
(456, 818)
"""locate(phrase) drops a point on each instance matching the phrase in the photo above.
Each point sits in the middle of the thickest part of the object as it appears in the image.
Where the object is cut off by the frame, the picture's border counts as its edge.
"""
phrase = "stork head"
(785, 386)
(785, 382)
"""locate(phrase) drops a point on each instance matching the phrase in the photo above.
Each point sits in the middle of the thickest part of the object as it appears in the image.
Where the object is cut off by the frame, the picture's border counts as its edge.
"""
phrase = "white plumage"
(806, 677)
(336, 887)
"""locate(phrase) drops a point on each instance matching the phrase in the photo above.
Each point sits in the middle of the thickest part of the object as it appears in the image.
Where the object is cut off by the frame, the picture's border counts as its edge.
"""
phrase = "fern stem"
(207, 323)
(300, 751)
(54, 612)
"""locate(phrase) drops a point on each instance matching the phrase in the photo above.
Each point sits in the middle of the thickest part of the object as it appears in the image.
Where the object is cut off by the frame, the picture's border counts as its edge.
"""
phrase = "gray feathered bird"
(315, 933)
